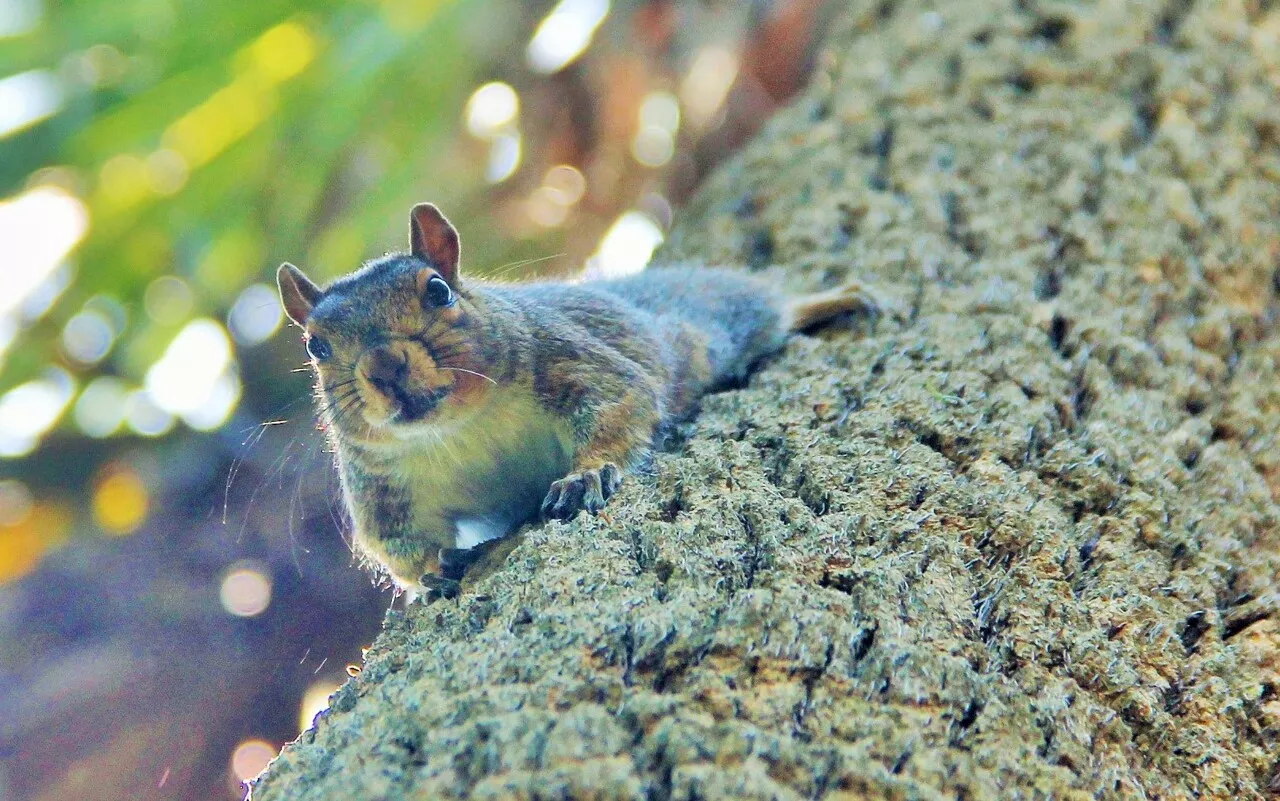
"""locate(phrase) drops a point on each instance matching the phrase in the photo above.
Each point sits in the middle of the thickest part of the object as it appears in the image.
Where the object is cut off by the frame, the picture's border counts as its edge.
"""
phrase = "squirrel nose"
(384, 367)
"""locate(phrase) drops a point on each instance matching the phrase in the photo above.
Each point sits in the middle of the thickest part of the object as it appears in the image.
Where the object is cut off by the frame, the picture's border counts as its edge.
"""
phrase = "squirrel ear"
(433, 239)
(298, 293)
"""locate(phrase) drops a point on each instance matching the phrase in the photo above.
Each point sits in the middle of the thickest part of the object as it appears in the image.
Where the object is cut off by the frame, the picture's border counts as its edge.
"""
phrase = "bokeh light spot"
(168, 299)
(562, 187)
(491, 109)
(28, 98)
(245, 590)
(565, 33)
(314, 701)
(38, 228)
(653, 146)
(707, 83)
(654, 143)
(18, 17)
(657, 208)
(250, 758)
(123, 182)
(16, 502)
(29, 410)
(46, 294)
(87, 337)
(110, 308)
(119, 500)
(24, 543)
(567, 182)
(144, 416)
(194, 378)
(283, 51)
(660, 110)
(545, 209)
(218, 406)
(626, 247)
(166, 171)
(504, 158)
(102, 65)
(255, 315)
(101, 408)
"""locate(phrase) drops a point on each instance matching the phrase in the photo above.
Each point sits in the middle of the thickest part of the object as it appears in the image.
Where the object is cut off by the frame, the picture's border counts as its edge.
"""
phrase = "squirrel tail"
(806, 311)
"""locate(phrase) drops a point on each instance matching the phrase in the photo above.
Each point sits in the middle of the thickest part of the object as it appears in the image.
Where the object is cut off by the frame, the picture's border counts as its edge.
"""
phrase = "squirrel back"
(706, 326)
(454, 405)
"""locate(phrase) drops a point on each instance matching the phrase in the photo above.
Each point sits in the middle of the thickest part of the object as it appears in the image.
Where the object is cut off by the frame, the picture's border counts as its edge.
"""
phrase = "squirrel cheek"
(376, 407)
(467, 391)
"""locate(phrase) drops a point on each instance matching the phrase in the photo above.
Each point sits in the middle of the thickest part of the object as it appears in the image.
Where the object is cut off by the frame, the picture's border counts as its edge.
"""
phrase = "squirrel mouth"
(414, 406)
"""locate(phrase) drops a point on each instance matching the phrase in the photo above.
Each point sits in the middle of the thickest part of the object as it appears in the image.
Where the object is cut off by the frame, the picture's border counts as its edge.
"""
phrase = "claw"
(611, 479)
(437, 587)
(589, 490)
(592, 491)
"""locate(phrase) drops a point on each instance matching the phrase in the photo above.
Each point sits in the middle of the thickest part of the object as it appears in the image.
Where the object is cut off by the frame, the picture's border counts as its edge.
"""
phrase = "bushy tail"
(807, 311)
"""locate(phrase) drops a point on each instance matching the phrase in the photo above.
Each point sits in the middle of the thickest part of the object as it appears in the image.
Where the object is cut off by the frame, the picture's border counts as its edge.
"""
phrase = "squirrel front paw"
(588, 489)
(436, 587)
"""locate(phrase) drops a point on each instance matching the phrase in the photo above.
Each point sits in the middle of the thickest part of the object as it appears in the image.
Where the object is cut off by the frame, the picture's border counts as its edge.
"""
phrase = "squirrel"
(458, 409)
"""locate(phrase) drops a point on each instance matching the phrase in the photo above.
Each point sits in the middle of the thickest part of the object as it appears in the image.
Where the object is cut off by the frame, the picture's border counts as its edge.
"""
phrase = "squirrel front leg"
(615, 411)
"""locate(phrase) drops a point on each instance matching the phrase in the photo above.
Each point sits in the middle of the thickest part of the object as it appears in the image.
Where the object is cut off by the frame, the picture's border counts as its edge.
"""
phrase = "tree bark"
(1018, 539)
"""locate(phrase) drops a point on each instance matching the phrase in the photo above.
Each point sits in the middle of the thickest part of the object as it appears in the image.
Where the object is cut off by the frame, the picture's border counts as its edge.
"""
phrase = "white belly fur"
(472, 532)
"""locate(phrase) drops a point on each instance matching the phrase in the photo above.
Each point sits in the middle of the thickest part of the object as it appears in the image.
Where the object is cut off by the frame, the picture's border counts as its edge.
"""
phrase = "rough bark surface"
(1020, 540)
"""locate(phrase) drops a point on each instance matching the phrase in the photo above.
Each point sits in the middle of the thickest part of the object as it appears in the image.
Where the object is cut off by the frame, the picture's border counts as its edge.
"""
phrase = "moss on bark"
(1018, 540)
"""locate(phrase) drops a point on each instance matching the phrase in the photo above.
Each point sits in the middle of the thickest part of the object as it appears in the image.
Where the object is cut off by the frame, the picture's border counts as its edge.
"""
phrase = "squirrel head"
(394, 350)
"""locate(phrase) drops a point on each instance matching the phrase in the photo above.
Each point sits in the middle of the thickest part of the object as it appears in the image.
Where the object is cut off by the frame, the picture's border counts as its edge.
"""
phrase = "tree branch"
(989, 548)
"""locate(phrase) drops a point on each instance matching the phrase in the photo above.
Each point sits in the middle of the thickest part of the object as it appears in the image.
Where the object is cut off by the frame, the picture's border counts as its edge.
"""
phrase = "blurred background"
(177, 597)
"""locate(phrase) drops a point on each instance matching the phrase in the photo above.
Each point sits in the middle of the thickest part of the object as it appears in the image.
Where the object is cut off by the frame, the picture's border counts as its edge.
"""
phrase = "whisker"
(335, 420)
(334, 397)
(327, 416)
(343, 392)
(339, 385)
(338, 399)
(469, 372)
(282, 410)
(429, 334)
(336, 415)
(333, 515)
(348, 404)
(277, 467)
(253, 435)
(515, 265)
(344, 409)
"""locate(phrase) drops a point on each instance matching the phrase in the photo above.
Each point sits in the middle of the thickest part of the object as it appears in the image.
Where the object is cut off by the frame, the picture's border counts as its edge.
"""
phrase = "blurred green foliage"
(212, 141)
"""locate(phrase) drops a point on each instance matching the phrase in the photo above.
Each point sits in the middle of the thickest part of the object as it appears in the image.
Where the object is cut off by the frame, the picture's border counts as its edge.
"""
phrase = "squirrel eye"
(438, 292)
(319, 348)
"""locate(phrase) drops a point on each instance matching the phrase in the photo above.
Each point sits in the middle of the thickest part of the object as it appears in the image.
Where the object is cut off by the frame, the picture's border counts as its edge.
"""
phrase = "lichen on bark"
(1017, 539)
